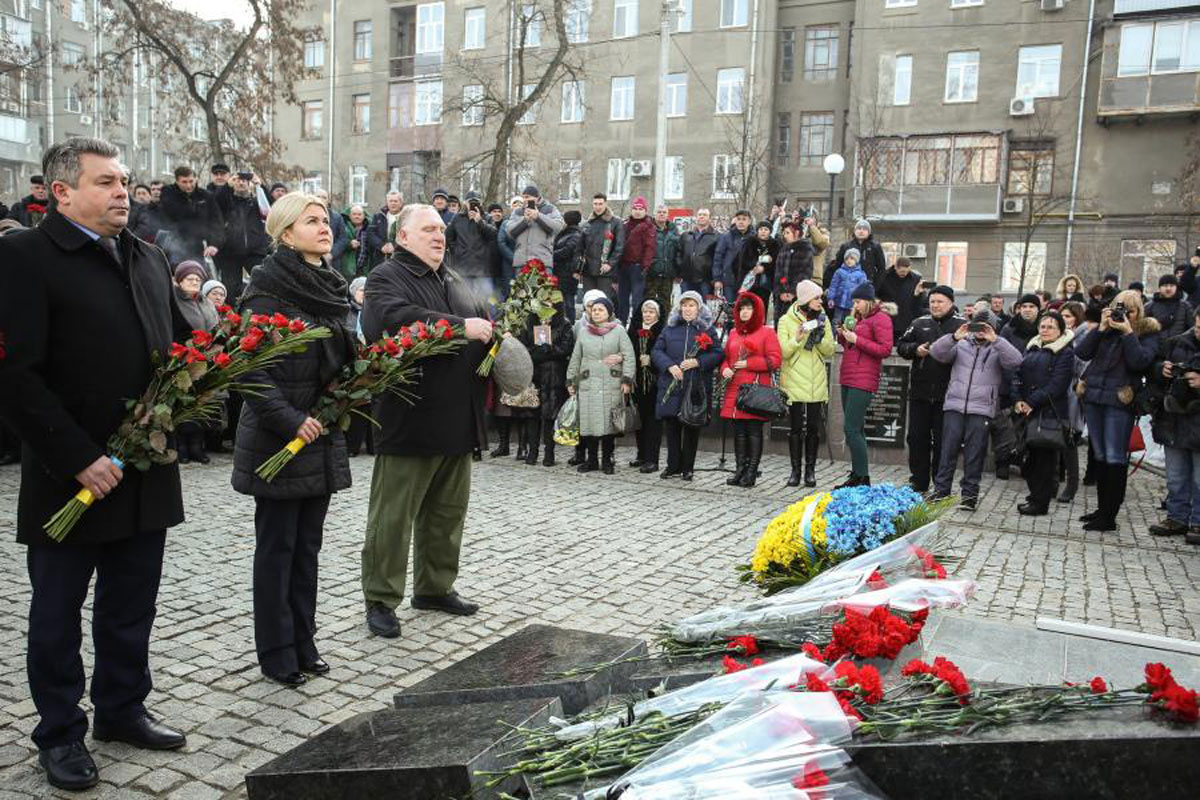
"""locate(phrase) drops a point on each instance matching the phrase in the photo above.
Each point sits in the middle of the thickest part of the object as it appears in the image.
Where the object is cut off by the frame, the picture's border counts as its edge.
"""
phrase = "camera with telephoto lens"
(1180, 393)
(1118, 313)
(818, 333)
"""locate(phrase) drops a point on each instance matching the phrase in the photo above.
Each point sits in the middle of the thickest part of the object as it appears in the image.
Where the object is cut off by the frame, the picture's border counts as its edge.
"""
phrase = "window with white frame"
(1159, 47)
(673, 178)
(79, 11)
(572, 101)
(530, 115)
(730, 84)
(311, 183)
(820, 52)
(724, 176)
(314, 54)
(360, 113)
(196, 130)
(951, 264)
(816, 137)
(531, 22)
(625, 18)
(570, 180)
(682, 22)
(312, 114)
(73, 101)
(1038, 67)
(73, 54)
(787, 55)
(427, 102)
(899, 3)
(1030, 169)
(962, 76)
(677, 83)
(734, 13)
(362, 40)
(1146, 260)
(902, 81)
(474, 28)
(472, 104)
(431, 28)
(965, 3)
(579, 13)
(1035, 266)
(616, 184)
(621, 105)
(358, 184)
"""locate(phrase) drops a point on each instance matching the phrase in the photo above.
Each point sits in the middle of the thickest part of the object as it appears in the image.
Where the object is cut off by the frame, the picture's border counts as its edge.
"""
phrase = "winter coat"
(505, 245)
(752, 250)
(793, 263)
(197, 310)
(597, 385)
(729, 247)
(357, 262)
(928, 377)
(1118, 360)
(193, 218)
(675, 343)
(597, 232)
(755, 343)
(645, 384)
(341, 237)
(697, 251)
(640, 238)
(380, 233)
(447, 416)
(79, 331)
(145, 221)
(1044, 378)
(471, 247)
(1017, 332)
(29, 211)
(568, 252)
(535, 239)
(871, 257)
(245, 231)
(976, 374)
(863, 360)
(550, 362)
(1174, 316)
(819, 237)
(891, 288)
(1177, 424)
(803, 375)
(667, 253)
(845, 280)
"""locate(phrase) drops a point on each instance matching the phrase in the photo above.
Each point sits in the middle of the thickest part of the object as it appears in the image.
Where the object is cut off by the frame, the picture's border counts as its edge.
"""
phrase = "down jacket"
(803, 375)
(674, 344)
(1118, 360)
(862, 361)
(977, 372)
(597, 385)
(756, 344)
(550, 362)
(845, 280)
(1045, 376)
(1177, 424)
(535, 239)
(928, 377)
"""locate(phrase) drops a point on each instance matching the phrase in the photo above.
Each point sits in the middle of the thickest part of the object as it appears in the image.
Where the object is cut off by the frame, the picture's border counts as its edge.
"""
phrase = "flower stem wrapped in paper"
(534, 291)
(189, 386)
(384, 367)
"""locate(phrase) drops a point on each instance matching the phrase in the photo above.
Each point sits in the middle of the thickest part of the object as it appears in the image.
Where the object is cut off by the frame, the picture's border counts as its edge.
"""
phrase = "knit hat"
(640, 202)
(690, 295)
(532, 191)
(943, 290)
(278, 185)
(652, 302)
(1137, 286)
(1030, 297)
(806, 292)
(591, 296)
(603, 300)
(495, 207)
(210, 285)
(862, 223)
(219, 167)
(1168, 280)
(187, 268)
(865, 291)
(440, 192)
(987, 317)
(766, 223)
(852, 251)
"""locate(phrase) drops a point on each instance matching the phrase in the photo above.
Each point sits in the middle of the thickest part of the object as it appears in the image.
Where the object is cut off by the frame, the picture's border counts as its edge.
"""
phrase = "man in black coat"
(699, 246)
(471, 248)
(245, 241)
(568, 260)
(873, 260)
(66, 396)
(422, 477)
(900, 285)
(30, 209)
(193, 217)
(603, 246)
(381, 232)
(928, 380)
(1174, 314)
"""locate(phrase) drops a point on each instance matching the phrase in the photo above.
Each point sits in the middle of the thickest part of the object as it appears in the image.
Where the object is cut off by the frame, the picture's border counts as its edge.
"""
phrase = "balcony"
(1148, 6)
(1151, 66)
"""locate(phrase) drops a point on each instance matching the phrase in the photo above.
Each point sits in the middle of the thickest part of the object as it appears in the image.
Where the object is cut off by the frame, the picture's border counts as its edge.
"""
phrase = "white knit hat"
(591, 296)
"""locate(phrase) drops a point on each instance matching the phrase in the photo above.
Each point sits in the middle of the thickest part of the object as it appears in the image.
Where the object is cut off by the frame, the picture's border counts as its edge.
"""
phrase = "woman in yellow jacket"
(807, 341)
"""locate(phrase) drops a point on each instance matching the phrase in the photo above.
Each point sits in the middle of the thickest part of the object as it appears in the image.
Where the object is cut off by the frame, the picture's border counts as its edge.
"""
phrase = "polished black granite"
(415, 754)
(528, 664)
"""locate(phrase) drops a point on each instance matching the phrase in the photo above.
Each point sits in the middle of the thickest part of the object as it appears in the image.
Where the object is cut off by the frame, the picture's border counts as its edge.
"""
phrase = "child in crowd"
(849, 276)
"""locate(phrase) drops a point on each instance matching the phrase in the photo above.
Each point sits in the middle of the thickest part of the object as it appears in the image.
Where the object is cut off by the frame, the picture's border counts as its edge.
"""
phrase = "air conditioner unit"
(914, 251)
(85, 119)
(1053, 5)
(641, 169)
(1020, 106)
(11, 106)
(1013, 205)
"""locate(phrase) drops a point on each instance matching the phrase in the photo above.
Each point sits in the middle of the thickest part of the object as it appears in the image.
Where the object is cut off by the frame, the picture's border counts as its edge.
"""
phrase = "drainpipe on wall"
(50, 106)
(1083, 88)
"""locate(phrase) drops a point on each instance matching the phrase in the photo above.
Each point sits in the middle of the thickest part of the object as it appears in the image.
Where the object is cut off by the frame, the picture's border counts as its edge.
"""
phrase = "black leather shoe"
(451, 604)
(1030, 509)
(637, 462)
(646, 469)
(292, 680)
(69, 766)
(382, 621)
(315, 667)
(668, 473)
(145, 732)
(968, 503)
(687, 476)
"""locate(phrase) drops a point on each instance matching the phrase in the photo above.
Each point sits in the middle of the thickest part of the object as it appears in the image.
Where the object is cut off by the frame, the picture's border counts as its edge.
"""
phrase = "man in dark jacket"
(928, 380)
(221, 187)
(663, 273)
(872, 260)
(192, 216)
(900, 285)
(1173, 313)
(246, 240)
(471, 248)
(381, 235)
(1019, 330)
(698, 249)
(30, 209)
(996, 304)
(729, 247)
(1176, 426)
(1187, 276)
(65, 405)
(568, 258)
(422, 478)
(603, 245)
(441, 202)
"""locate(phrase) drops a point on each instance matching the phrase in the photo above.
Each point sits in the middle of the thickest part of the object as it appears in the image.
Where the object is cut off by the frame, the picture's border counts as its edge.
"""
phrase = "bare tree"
(1189, 189)
(878, 158)
(750, 147)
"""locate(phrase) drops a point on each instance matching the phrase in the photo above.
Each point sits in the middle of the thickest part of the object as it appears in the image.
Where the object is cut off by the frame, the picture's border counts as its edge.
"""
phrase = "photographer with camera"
(471, 245)
(807, 344)
(1177, 428)
(928, 379)
(1122, 351)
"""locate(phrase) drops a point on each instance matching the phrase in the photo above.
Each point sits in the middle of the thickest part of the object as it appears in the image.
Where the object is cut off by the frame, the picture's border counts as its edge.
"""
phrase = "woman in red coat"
(866, 344)
(751, 354)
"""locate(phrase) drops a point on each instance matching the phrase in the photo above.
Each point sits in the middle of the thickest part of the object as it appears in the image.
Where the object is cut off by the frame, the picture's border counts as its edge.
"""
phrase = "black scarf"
(319, 291)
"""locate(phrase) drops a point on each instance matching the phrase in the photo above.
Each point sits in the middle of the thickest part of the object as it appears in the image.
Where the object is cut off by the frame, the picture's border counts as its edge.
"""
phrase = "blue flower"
(861, 518)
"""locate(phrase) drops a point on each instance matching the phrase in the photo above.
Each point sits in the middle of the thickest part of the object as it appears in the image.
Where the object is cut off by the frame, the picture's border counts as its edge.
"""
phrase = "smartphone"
(927, 285)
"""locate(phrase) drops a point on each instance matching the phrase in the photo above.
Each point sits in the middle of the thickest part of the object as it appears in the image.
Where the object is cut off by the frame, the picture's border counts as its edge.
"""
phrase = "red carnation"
(811, 778)
(442, 323)
(848, 671)
(390, 347)
(195, 355)
(1182, 703)
(812, 651)
(447, 333)
(848, 709)
(201, 338)
(731, 664)
(422, 331)
(297, 326)
(554, 280)
(260, 319)
(406, 340)
(279, 320)
(916, 667)
(222, 360)
(1098, 685)
(233, 318)
(703, 341)
(224, 309)
(920, 615)
(1158, 677)
(177, 350)
(535, 263)
(748, 645)
(815, 684)
(870, 684)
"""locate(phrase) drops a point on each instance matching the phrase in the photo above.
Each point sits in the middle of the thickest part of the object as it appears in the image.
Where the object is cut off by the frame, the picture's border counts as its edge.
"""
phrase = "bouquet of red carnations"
(189, 386)
(700, 343)
(384, 367)
(534, 290)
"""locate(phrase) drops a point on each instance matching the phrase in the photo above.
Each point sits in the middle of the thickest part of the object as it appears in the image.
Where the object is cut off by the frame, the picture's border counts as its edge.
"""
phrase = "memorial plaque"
(886, 421)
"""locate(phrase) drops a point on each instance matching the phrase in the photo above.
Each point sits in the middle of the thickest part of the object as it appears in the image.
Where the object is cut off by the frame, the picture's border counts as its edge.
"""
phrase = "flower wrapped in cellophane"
(534, 291)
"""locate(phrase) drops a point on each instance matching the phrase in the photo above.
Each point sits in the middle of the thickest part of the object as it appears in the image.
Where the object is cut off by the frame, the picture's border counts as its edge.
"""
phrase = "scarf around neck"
(601, 329)
(284, 275)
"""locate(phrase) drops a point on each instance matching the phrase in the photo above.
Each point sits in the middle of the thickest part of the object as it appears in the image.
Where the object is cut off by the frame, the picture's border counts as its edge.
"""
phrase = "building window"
(621, 107)
(312, 119)
(360, 113)
(816, 137)
(616, 185)
(1037, 70)
(730, 85)
(952, 264)
(73, 55)
(73, 100)
(733, 13)
(962, 76)
(724, 176)
(311, 183)
(362, 40)
(673, 178)
(570, 180)
(1035, 266)
(677, 83)
(530, 115)
(427, 105)
(965, 3)
(625, 18)
(902, 81)
(358, 184)
(899, 3)
(682, 22)
(472, 179)
(958, 160)
(522, 174)
(820, 52)
(314, 54)
(531, 25)
(783, 137)
(1153, 48)
(474, 28)
(579, 13)
(1147, 259)
(472, 108)
(431, 28)
(572, 101)
(1030, 168)
(787, 54)
(79, 11)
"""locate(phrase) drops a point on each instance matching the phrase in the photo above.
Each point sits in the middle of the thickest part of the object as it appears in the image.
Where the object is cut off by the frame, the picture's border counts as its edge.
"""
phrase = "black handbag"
(625, 417)
(762, 401)
(1044, 431)
(694, 409)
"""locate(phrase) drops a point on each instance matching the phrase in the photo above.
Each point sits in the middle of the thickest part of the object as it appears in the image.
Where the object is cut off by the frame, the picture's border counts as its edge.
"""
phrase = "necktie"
(109, 244)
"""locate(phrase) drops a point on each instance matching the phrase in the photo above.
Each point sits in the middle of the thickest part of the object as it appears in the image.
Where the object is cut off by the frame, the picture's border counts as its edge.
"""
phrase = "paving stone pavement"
(617, 554)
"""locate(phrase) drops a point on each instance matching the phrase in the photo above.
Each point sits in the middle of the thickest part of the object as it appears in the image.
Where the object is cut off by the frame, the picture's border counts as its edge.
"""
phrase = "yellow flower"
(782, 545)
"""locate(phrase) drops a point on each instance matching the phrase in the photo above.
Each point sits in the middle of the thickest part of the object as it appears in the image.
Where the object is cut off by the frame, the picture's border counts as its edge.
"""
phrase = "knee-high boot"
(522, 439)
(503, 428)
(532, 429)
(812, 441)
(754, 448)
(548, 442)
(796, 451)
(739, 456)
(1070, 457)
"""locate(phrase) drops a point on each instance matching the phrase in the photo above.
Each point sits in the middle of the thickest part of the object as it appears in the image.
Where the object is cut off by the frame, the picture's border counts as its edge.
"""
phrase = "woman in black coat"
(1042, 385)
(550, 355)
(289, 516)
(645, 388)
(757, 257)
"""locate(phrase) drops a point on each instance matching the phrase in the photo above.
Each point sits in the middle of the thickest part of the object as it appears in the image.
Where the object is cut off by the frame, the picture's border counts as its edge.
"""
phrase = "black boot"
(810, 465)
(739, 456)
(548, 442)
(1109, 486)
(522, 440)
(503, 427)
(199, 455)
(794, 450)
(532, 428)
(754, 450)
(1089, 474)
(578, 457)
(1071, 458)
(607, 445)
(590, 462)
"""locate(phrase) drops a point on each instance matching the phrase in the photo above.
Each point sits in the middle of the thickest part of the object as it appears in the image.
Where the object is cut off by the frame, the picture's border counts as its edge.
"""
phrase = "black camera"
(1180, 394)
(1118, 313)
(475, 205)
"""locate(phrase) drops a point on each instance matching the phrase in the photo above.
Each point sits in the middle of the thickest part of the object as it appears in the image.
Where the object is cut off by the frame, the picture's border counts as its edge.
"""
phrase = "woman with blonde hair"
(1069, 289)
(289, 516)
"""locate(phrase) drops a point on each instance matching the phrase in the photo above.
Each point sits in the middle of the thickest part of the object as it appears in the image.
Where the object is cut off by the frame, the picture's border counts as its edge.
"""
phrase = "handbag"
(762, 401)
(1046, 433)
(625, 417)
(694, 409)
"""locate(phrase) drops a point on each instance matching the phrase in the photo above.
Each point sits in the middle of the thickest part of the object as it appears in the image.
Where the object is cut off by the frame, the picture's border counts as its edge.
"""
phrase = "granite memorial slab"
(411, 753)
(530, 664)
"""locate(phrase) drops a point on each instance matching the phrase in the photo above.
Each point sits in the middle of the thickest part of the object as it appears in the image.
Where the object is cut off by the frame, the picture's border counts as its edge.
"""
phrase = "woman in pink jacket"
(751, 354)
(866, 344)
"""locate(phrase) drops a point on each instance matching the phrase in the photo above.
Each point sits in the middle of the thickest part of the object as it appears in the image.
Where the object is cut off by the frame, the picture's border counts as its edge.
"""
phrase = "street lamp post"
(833, 164)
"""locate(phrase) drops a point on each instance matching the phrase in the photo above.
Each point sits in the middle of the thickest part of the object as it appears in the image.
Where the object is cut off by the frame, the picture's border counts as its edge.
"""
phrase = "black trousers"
(805, 422)
(127, 577)
(682, 441)
(1041, 475)
(649, 435)
(288, 539)
(924, 441)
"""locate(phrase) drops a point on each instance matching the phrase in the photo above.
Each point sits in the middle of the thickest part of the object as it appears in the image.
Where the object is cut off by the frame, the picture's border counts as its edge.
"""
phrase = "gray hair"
(406, 214)
(61, 161)
(395, 193)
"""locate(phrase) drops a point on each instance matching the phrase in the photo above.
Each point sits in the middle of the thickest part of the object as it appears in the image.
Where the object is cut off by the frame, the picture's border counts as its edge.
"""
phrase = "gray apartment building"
(983, 138)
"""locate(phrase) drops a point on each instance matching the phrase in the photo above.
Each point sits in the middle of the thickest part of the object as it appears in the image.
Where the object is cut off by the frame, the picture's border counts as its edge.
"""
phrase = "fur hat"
(187, 268)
